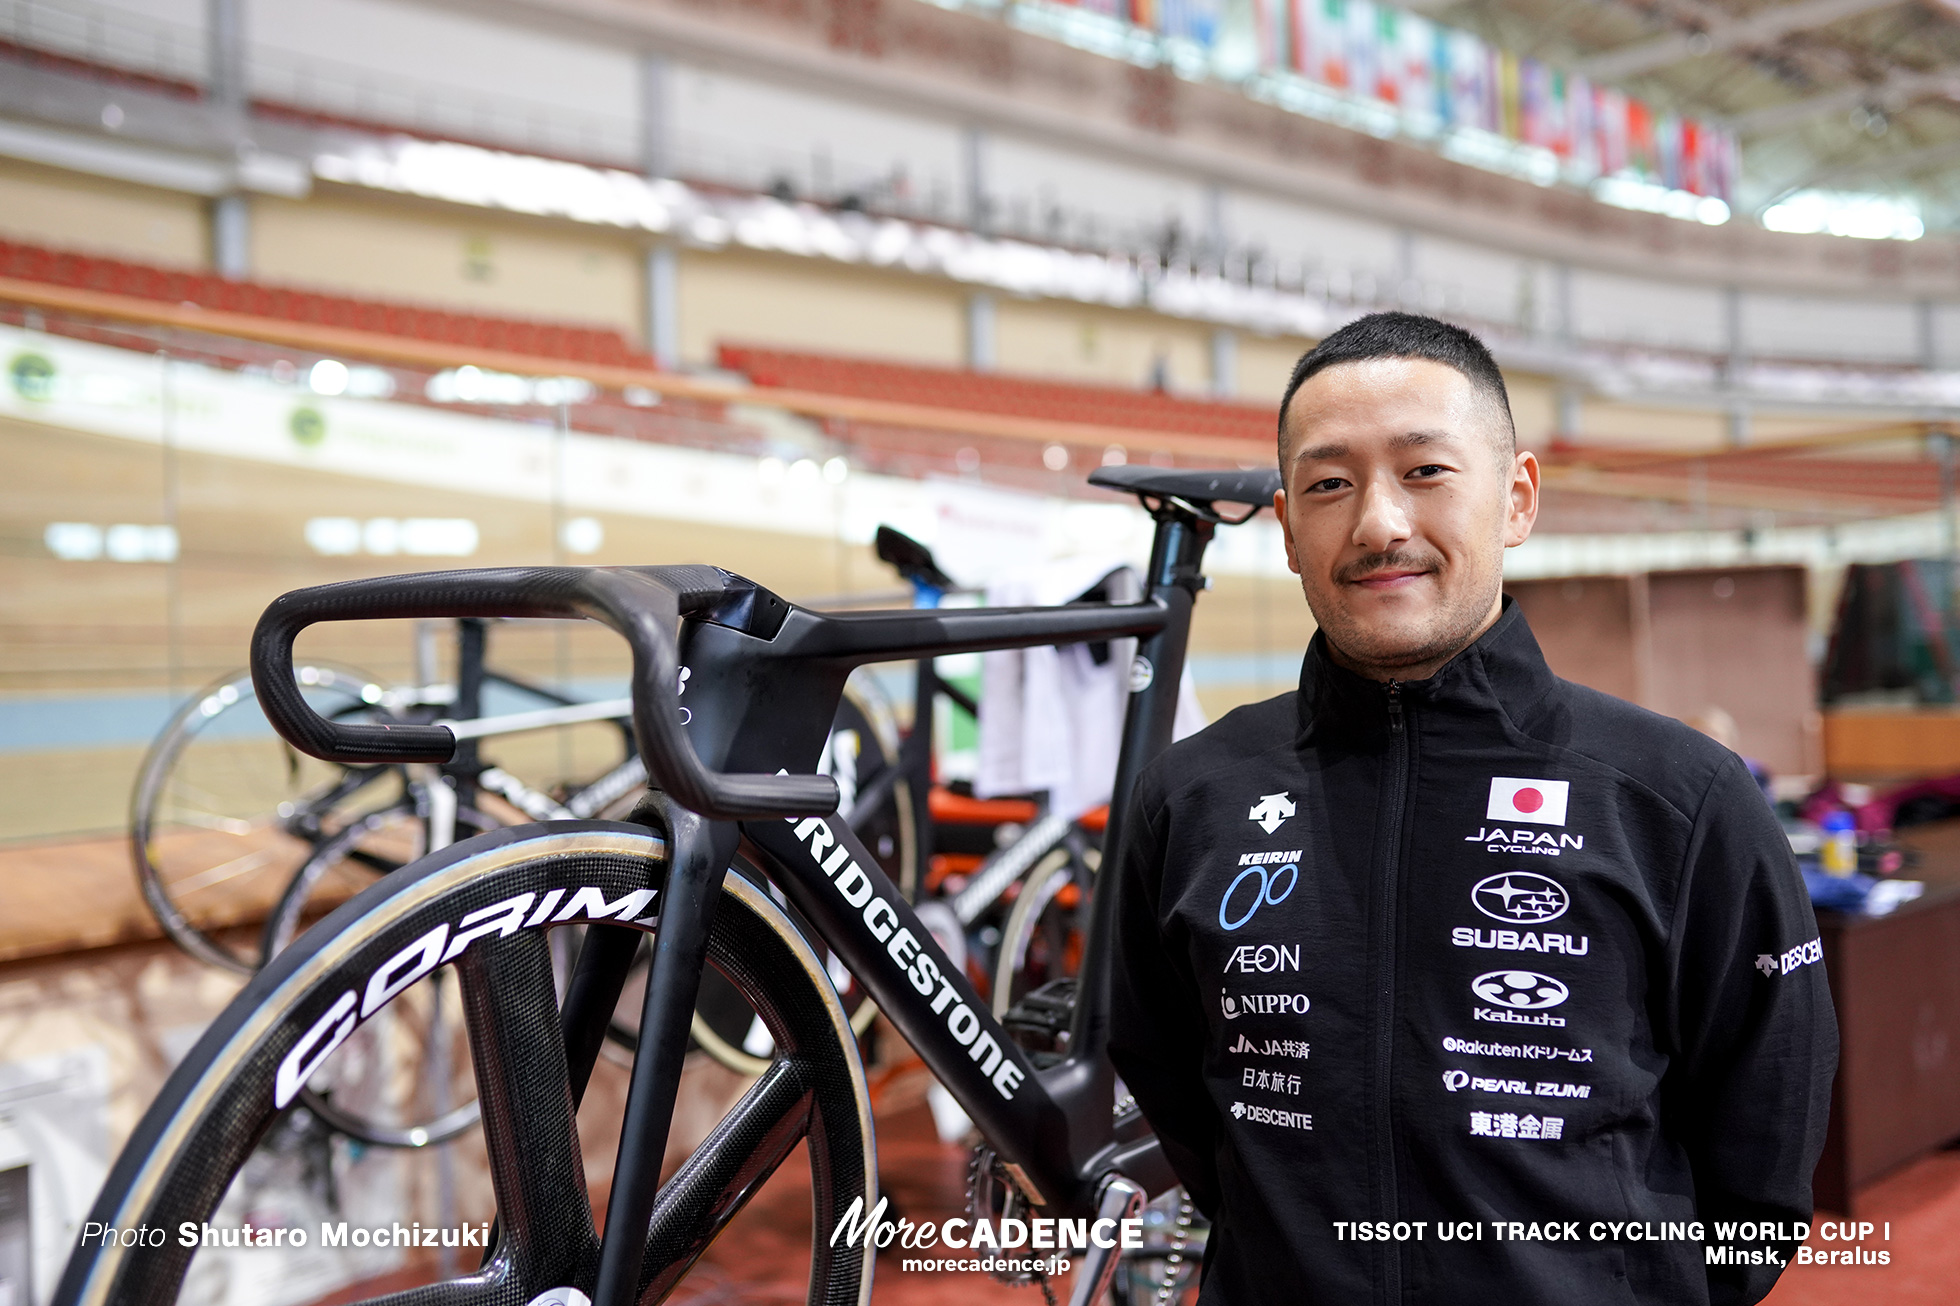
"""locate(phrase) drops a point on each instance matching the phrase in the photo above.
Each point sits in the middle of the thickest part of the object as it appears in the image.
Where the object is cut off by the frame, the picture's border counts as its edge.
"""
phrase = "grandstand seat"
(286, 303)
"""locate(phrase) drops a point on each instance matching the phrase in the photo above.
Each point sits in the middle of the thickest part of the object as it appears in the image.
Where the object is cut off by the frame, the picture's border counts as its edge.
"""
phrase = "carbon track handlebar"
(644, 604)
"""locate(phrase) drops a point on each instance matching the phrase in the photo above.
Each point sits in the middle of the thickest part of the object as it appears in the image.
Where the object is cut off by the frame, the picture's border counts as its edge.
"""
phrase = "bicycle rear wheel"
(224, 811)
(483, 907)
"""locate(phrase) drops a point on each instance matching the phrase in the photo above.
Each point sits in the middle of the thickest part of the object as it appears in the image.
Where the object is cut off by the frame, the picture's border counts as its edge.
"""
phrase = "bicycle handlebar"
(643, 604)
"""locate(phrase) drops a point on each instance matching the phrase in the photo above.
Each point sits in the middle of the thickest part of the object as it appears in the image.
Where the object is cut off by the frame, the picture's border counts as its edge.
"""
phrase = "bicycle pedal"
(1040, 1021)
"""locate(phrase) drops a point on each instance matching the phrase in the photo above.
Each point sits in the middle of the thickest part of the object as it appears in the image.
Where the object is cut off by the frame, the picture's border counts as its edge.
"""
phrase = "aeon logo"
(1523, 897)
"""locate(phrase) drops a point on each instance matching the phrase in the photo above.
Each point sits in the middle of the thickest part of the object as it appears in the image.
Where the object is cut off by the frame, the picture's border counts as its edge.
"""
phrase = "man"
(1444, 980)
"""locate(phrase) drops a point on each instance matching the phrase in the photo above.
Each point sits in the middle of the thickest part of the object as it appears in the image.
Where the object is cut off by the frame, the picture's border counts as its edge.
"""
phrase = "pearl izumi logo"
(1458, 1080)
(1538, 802)
(1271, 812)
(1521, 897)
(1263, 1004)
(1516, 992)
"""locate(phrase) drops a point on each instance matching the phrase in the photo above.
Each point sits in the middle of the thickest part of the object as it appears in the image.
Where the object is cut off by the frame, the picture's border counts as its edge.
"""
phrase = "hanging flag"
(1418, 67)
(1360, 34)
(1387, 65)
(1299, 36)
(1272, 24)
(1580, 105)
(1330, 43)
(1642, 156)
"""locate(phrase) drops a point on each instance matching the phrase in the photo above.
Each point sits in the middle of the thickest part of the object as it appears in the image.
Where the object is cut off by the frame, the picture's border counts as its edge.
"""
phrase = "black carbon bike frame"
(763, 684)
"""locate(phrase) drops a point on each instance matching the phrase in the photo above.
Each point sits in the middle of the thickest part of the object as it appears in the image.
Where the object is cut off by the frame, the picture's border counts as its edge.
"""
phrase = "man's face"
(1400, 496)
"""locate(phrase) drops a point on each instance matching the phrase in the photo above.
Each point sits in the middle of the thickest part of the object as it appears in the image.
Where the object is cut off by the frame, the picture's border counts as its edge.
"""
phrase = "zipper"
(1396, 796)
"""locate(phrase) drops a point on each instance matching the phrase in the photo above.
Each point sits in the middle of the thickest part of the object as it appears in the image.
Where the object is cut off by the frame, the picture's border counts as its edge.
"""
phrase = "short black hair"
(1402, 335)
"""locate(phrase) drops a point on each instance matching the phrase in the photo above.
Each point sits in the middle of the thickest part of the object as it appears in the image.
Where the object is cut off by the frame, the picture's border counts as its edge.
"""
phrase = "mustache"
(1395, 560)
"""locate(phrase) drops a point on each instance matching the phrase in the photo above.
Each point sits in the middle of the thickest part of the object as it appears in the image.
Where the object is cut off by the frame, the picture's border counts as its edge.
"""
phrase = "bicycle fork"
(697, 852)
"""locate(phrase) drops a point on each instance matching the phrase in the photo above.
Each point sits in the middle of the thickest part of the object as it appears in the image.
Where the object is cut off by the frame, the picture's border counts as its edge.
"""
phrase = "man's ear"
(1522, 505)
(1286, 531)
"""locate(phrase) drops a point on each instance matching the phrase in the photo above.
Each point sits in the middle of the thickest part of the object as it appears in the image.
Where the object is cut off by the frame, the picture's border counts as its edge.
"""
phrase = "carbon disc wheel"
(482, 908)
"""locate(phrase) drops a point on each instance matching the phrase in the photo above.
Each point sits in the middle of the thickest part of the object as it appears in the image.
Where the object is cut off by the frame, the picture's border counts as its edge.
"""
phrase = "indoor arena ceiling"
(1839, 95)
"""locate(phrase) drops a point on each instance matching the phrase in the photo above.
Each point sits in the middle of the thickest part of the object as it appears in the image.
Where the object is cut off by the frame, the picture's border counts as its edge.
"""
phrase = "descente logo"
(920, 970)
(438, 947)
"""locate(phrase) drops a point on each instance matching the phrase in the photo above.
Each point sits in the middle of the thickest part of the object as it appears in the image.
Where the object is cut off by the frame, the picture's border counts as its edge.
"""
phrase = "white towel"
(1052, 718)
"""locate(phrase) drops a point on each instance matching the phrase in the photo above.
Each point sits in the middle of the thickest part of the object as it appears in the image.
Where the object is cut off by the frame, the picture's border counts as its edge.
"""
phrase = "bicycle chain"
(1180, 1239)
(986, 1180)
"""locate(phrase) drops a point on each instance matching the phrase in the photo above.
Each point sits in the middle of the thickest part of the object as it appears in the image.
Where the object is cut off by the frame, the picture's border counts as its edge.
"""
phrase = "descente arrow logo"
(1271, 811)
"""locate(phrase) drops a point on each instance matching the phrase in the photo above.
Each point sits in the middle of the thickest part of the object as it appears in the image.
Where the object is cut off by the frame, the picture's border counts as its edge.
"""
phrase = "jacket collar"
(1503, 670)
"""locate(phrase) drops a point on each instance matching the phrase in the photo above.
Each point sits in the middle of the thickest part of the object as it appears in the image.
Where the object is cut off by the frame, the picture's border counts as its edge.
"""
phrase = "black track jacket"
(1488, 947)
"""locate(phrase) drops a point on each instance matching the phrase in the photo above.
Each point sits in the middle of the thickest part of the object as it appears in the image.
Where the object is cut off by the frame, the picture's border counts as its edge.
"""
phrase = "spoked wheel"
(224, 811)
(482, 908)
(1040, 941)
(403, 1078)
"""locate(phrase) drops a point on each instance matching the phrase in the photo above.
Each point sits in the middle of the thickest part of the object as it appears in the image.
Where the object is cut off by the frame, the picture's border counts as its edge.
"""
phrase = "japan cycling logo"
(1519, 990)
(1521, 897)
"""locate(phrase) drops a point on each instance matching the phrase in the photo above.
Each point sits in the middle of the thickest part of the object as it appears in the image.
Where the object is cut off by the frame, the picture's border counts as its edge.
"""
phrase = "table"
(1896, 983)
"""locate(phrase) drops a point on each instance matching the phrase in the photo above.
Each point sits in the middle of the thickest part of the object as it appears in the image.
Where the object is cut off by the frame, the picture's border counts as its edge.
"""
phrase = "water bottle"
(1840, 851)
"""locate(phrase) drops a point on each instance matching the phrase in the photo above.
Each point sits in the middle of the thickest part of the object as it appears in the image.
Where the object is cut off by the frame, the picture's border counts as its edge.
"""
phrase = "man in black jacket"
(1444, 980)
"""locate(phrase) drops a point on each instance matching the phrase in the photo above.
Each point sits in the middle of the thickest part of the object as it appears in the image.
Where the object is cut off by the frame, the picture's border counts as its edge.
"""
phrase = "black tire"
(227, 1092)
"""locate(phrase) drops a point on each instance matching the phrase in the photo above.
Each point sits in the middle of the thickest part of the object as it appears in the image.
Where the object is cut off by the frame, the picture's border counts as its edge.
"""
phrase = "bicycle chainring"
(993, 1196)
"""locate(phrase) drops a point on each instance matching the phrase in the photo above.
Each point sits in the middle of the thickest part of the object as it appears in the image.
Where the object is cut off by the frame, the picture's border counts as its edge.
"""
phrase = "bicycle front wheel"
(483, 907)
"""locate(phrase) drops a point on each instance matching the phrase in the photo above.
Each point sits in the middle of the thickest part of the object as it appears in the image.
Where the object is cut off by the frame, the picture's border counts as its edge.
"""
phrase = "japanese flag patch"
(1538, 802)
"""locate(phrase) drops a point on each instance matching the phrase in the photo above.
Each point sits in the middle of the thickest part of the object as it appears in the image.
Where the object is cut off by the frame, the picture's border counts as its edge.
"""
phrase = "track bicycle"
(735, 818)
(228, 821)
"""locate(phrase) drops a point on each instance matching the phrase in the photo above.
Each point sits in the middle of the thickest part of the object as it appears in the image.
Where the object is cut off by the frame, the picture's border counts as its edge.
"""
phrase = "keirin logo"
(1523, 897)
(1267, 888)
(1520, 990)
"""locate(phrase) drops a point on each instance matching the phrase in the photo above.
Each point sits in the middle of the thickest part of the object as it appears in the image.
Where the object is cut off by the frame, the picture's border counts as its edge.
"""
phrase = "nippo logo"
(1520, 896)
(1519, 990)
(1540, 802)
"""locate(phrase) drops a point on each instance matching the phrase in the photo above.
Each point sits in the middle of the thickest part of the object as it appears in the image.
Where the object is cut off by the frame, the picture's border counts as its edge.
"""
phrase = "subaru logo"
(1521, 897)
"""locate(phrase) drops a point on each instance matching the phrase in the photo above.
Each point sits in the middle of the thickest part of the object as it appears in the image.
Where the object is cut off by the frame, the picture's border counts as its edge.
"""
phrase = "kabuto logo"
(1522, 897)
(1520, 990)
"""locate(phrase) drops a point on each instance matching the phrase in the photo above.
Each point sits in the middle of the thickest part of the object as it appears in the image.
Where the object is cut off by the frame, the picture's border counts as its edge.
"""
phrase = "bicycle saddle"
(1252, 489)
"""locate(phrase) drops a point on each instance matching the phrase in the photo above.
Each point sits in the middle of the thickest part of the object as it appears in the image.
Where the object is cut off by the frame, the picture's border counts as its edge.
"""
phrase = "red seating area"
(984, 392)
(142, 281)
